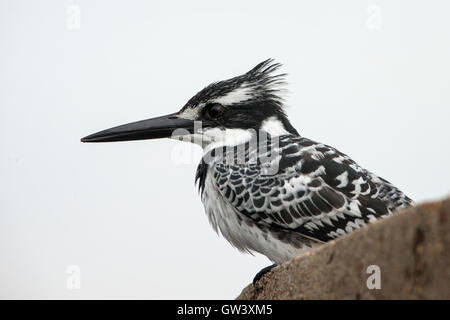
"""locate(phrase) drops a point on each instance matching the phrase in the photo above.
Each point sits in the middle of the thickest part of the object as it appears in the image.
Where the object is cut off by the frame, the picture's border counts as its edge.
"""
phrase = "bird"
(266, 188)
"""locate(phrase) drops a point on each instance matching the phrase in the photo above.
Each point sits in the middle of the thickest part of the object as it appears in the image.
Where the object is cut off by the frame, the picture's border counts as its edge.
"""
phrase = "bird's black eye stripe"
(213, 111)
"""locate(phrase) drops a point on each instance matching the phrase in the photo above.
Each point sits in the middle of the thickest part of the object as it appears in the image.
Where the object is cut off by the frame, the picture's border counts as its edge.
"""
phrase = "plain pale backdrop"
(371, 78)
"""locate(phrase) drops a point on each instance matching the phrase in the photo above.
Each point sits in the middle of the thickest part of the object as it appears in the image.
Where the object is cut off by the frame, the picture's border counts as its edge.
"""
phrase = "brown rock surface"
(411, 248)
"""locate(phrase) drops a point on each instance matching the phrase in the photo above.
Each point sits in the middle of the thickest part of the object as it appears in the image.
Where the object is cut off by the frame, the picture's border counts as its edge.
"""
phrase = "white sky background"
(377, 87)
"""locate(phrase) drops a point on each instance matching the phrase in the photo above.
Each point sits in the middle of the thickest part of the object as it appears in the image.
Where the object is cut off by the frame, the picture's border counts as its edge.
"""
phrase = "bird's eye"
(213, 111)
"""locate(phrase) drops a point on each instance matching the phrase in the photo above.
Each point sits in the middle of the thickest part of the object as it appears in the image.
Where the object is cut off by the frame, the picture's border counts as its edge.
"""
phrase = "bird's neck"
(278, 126)
(273, 127)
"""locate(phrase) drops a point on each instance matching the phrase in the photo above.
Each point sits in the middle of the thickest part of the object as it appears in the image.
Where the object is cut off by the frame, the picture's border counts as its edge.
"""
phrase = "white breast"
(239, 230)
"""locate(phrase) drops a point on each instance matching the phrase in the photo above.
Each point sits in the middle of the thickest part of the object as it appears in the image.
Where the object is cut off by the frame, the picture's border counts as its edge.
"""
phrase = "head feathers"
(261, 83)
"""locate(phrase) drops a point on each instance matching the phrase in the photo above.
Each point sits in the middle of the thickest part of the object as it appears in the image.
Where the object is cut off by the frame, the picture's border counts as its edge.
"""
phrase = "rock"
(411, 249)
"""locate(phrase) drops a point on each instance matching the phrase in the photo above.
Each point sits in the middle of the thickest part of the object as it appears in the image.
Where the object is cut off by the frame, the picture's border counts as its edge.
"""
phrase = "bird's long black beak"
(155, 128)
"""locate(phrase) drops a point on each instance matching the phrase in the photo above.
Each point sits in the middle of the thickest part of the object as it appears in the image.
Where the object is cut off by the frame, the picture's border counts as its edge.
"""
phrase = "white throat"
(211, 138)
(215, 137)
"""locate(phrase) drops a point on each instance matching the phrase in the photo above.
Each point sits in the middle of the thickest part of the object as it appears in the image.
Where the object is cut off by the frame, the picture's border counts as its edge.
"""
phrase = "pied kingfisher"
(264, 187)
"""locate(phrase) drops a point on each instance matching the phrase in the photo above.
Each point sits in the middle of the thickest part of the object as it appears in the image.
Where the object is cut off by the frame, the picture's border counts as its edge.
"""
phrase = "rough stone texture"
(412, 249)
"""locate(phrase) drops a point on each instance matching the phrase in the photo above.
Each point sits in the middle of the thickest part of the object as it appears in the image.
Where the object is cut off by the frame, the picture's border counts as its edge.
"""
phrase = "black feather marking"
(239, 189)
(294, 212)
(286, 216)
(376, 204)
(291, 149)
(275, 193)
(320, 203)
(304, 209)
(200, 175)
(309, 165)
(276, 202)
(259, 202)
(265, 190)
(332, 197)
(227, 192)
(300, 193)
(315, 183)
(287, 162)
(311, 207)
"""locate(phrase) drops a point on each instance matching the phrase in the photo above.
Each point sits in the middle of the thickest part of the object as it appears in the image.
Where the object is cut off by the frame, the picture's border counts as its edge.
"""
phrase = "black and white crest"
(262, 83)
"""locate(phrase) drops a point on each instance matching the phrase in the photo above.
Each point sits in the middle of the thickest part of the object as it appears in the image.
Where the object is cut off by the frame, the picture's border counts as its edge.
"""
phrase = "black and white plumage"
(265, 187)
(317, 194)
